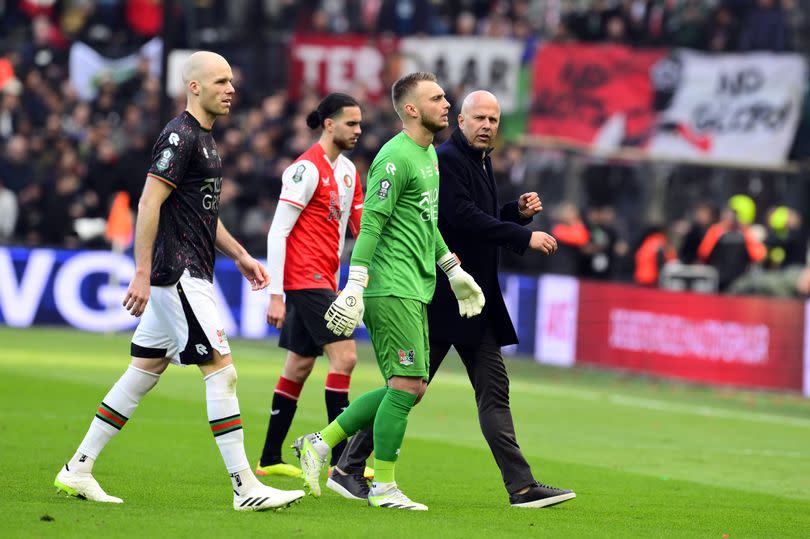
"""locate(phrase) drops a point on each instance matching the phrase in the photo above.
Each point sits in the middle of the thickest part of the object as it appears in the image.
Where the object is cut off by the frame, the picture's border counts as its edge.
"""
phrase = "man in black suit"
(475, 227)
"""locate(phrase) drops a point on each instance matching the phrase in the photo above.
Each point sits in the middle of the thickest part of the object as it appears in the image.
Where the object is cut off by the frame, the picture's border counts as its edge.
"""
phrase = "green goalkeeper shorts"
(399, 334)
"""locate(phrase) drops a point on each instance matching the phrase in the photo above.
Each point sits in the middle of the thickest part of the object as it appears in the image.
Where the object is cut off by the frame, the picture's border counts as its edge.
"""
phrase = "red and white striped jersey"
(330, 198)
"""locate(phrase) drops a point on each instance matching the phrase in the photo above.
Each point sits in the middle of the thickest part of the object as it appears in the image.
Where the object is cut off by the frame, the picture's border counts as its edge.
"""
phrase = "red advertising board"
(350, 64)
(577, 89)
(725, 340)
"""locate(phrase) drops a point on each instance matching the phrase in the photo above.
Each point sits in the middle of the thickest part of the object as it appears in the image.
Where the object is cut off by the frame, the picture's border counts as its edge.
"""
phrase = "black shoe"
(540, 495)
(351, 486)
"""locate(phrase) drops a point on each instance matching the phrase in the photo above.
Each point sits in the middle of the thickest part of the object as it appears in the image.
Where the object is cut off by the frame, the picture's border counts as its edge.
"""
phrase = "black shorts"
(304, 331)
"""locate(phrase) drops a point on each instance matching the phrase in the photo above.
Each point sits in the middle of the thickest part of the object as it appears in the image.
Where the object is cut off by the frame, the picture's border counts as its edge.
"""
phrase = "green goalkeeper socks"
(333, 434)
(360, 413)
(390, 425)
(383, 471)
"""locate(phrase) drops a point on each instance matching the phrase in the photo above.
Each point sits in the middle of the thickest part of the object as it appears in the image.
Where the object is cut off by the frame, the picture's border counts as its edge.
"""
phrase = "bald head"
(477, 99)
(209, 85)
(201, 63)
(479, 119)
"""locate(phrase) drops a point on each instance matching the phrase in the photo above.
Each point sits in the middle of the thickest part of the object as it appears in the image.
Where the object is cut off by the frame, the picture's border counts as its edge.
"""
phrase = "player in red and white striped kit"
(321, 195)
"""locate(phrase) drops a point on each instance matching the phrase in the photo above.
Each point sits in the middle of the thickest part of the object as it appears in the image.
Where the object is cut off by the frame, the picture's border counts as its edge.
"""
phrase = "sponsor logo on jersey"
(390, 168)
(385, 185)
(165, 159)
(212, 187)
(427, 171)
(174, 139)
(406, 357)
(429, 204)
(325, 181)
(347, 181)
(335, 213)
(299, 173)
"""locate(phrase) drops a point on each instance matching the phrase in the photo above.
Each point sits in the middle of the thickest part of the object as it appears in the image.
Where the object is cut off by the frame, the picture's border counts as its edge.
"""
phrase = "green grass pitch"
(646, 458)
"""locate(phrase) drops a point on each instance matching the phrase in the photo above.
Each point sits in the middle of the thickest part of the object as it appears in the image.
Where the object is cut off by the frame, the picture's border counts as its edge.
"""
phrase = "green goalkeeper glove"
(346, 312)
(468, 293)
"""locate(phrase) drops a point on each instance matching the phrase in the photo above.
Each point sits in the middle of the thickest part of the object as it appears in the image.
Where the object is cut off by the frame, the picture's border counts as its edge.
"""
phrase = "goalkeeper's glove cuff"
(358, 275)
(449, 264)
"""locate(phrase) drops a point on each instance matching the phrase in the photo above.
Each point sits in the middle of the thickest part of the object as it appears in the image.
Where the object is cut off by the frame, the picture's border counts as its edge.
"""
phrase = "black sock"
(336, 402)
(281, 417)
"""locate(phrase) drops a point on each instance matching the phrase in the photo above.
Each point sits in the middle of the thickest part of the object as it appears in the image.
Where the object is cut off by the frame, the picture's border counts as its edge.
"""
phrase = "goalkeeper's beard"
(432, 126)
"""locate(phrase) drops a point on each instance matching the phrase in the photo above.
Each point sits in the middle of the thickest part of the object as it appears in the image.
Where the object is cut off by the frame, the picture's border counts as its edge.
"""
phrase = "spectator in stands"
(654, 250)
(600, 251)
(405, 17)
(786, 241)
(616, 30)
(8, 213)
(572, 236)
(766, 28)
(723, 31)
(16, 168)
(729, 245)
(62, 205)
(704, 216)
(688, 24)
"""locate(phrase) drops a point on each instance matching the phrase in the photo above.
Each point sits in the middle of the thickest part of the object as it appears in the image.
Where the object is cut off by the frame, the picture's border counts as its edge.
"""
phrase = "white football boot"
(265, 497)
(311, 451)
(82, 485)
(389, 496)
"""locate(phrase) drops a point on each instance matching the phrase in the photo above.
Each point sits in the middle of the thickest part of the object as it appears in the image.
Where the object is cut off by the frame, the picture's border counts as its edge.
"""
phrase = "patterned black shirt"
(185, 158)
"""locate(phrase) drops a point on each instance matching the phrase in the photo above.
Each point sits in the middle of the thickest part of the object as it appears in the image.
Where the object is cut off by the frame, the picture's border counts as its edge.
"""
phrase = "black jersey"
(185, 158)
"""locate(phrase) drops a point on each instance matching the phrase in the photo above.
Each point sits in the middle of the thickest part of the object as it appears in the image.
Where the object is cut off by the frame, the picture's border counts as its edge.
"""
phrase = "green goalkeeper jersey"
(399, 242)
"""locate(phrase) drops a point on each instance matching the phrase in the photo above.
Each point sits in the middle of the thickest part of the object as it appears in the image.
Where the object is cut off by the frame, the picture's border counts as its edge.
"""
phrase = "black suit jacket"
(474, 227)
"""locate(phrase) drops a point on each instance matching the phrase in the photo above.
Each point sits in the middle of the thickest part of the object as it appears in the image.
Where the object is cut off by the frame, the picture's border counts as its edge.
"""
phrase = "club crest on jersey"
(347, 180)
(165, 159)
(385, 185)
(299, 173)
(406, 357)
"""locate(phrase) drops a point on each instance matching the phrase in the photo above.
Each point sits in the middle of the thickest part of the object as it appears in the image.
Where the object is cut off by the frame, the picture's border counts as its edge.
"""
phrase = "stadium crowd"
(62, 159)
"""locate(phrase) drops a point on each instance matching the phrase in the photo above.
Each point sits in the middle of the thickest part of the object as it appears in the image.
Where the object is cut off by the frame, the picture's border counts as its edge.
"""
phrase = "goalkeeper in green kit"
(391, 280)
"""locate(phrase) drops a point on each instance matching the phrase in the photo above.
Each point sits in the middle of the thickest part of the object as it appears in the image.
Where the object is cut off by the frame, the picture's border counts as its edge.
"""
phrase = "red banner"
(752, 342)
(578, 90)
(357, 65)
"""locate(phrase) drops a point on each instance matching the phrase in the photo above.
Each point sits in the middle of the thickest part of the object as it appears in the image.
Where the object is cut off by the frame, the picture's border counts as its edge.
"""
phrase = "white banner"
(465, 64)
(87, 67)
(557, 313)
(736, 108)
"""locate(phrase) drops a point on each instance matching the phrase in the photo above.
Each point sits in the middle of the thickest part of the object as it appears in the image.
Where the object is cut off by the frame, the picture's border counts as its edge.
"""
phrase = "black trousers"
(487, 373)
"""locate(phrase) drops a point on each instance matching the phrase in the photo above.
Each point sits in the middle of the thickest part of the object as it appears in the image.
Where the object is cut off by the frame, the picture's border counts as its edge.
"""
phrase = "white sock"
(225, 420)
(244, 481)
(112, 414)
(321, 447)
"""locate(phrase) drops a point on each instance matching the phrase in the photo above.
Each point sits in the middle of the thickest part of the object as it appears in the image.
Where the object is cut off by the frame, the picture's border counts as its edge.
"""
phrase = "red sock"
(288, 388)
